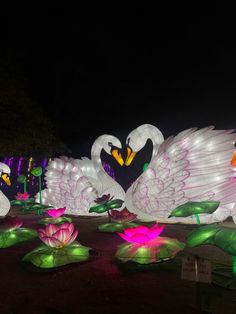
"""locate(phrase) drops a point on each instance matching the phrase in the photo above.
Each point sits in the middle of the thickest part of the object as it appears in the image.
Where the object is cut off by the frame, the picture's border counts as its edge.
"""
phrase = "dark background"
(107, 70)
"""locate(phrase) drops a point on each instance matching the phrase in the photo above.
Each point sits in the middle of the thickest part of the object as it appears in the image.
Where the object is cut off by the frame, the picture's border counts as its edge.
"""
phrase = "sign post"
(199, 270)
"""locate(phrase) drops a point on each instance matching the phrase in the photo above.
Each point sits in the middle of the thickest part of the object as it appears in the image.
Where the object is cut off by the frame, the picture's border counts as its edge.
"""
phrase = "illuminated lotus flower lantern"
(118, 220)
(145, 246)
(225, 239)
(11, 232)
(10, 223)
(121, 219)
(59, 248)
(22, 196)
(122, 216)
(55, 217)
(23, 199)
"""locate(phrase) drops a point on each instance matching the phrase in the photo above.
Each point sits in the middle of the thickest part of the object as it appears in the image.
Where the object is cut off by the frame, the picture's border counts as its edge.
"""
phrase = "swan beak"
(233, 160)
(117, 157)
(130, 156)
(6, 178)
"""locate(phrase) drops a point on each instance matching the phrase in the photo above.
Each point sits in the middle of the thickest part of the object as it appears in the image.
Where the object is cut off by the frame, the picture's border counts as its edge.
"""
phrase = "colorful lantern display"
(223, 238)
(76, 183)
(11, 232)
(59, 248)
(55, 217)
(194, 166)
(145, 246)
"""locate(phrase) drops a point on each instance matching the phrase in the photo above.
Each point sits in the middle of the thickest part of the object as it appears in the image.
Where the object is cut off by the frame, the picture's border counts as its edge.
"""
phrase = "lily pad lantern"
(195, 208)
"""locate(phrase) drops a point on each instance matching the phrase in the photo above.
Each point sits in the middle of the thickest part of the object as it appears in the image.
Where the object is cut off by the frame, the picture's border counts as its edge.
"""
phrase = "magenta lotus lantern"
(55, 213)
(55, 217)
(145, 246)
(142, 234)
(22, 196)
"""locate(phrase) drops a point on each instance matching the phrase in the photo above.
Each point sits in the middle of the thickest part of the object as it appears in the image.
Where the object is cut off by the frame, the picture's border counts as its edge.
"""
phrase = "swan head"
(110, 144)
(137, 139)
(4, 173)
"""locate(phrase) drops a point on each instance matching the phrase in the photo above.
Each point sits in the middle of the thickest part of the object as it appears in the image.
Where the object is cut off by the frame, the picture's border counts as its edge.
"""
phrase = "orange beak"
(130, 156)
(6, 179)
(117, 156)
(233, 160)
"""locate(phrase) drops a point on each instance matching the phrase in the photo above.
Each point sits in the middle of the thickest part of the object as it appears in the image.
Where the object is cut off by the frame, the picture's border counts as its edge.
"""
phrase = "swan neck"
(157, 139)
(96, 153)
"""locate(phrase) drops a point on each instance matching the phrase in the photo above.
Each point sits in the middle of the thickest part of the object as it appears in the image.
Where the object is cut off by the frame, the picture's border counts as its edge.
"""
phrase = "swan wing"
(192, 166)
(69, 185)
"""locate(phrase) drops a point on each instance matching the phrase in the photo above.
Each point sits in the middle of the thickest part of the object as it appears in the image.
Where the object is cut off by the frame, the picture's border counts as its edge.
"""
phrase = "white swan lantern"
(5, 204)
(192, 166)
(76, 183)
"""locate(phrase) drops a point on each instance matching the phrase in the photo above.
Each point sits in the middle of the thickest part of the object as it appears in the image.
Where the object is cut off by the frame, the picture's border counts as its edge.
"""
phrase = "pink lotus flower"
(142, 234)
(22, 196)
(55, 213)
(121, 216)
(10, 223)
(103, 199)
(58, 235)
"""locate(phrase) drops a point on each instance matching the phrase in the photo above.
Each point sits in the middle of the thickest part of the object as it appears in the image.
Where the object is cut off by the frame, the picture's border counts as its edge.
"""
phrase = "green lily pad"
(222, 237)
(193, 208)
(37, 171)
(11, 237)
(48, 257)
(17, 202)
(165, 249)
(21, 179)
(117, 203)
(22, 202)
(58, 221)
(30, 200)
(37, 206)
(100, 208)
(116, 227)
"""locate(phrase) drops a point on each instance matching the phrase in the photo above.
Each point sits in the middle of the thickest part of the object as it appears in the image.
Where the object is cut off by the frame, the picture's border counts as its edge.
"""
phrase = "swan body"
(5, 204)
(76, 183)
(192, 166)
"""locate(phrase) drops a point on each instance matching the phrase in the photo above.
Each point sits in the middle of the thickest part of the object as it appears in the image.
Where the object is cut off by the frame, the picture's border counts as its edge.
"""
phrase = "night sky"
(173, 67)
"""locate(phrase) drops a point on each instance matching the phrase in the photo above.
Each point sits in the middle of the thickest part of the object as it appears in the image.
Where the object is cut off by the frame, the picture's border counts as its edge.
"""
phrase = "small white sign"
(196, 269)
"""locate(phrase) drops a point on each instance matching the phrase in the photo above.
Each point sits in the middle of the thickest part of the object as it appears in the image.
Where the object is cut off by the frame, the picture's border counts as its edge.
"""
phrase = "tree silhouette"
(24, 127)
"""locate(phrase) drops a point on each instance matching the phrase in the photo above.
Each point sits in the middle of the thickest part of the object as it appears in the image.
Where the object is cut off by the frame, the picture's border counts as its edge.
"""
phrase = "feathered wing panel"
(68, 186)
(193, 166)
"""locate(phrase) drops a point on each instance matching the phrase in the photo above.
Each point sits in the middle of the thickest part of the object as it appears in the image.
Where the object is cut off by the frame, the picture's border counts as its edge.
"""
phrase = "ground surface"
(102, 285)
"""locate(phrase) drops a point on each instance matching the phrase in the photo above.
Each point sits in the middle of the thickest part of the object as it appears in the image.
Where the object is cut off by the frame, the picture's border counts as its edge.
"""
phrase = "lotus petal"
(55, 213)
(51, 241)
